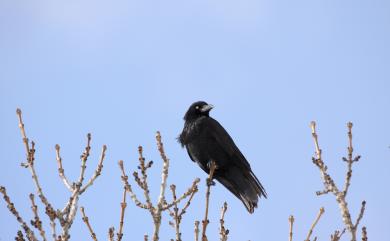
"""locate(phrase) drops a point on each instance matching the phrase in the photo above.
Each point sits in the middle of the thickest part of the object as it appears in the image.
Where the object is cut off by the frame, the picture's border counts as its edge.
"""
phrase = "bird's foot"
(210, 182)
(210, 164)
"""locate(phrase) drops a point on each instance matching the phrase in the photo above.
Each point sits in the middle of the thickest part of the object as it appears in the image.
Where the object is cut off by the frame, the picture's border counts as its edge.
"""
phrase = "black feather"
(206, 140)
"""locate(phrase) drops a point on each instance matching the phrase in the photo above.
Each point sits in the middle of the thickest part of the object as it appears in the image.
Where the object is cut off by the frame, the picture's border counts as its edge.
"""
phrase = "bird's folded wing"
(225, 142)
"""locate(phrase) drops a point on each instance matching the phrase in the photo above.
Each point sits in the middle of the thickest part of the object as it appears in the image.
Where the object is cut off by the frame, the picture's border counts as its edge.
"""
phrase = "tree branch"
(122, 216)
(11, 207)
(61, 170)
(291, 222)
(331, 187)
(37, 223)
(322, 210)
(209, 181)
(223, 232)
(86, 221)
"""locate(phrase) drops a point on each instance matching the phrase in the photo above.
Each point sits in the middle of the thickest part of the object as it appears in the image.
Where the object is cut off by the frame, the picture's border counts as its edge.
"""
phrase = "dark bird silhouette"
(206, 140)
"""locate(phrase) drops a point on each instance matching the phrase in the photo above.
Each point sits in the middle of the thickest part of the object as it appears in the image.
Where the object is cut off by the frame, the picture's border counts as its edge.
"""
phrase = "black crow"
(206, 140)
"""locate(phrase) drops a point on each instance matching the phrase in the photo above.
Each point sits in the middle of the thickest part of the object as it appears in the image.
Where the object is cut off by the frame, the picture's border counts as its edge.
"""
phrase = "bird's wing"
(225, 142)
(189, 154)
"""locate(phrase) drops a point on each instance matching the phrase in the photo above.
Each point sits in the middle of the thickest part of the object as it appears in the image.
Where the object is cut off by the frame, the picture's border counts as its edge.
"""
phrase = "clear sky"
(124, 69)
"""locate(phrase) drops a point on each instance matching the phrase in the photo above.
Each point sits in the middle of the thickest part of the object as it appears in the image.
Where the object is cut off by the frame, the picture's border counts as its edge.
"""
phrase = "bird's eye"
(197, 107)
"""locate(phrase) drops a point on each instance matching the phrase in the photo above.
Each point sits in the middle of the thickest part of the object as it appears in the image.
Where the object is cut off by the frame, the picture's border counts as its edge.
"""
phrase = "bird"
(206, 141)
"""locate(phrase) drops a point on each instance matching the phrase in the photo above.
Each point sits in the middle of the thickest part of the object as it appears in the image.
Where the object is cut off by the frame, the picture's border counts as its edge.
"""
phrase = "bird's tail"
(244, 185)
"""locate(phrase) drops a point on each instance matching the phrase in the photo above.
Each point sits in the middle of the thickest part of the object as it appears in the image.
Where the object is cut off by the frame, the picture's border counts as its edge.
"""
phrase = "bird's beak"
(206, 108)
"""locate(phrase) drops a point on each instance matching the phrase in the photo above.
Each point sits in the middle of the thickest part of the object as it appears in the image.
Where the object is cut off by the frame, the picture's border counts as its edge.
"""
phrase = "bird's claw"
(210, 163)
(210, 182)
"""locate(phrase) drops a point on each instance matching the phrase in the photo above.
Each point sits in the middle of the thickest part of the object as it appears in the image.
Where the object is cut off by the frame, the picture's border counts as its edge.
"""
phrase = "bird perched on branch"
(207, 141)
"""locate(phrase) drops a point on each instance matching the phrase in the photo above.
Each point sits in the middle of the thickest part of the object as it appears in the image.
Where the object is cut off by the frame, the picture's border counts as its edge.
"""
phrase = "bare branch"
(196, 230)
(30, 152)
(164, 176)
(37, 223)
(194, 189)
(122, 216)
(129, 189)
(86, 221)
(97, 172)
(175, 214)
(336, 236)
(209, 181)
(322, 210)
(61, 170)
(362, 209)
(364, 234)
(143, 183)
(53, 229)
(111, 234)
(19, 236)
(223, 232)
(329, 184)
(161, 205)
(84, 158)
(71, 207)
(191, 191)
(291, 222)
(349, 160)
(11, 207)
(315, 137)
(65, 217)
(319, 193)
(161, 198)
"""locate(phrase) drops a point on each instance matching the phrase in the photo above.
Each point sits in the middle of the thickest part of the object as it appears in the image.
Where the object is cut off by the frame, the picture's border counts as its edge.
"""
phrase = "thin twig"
(84, 158)
(336, 236)
(196, 230)
(194, 190)
(11, 207)
(125, 180)
(61, 170)
(175, 214)
(19, 236)
(86, 221)
(362, 209)
(331, 187)
(70, 209)
(97, 172)
(209, 181)
(223, 232)
(30, 152)
(322, 210)
(364, 234)
(291, 222)
(37, 223)
(53, 229)
(191, 191)
(349, 160)
(68, 213)
(161, 197)
(144, 183)
(111, 234)
(164, 175)
(161, 205)
(122, 216)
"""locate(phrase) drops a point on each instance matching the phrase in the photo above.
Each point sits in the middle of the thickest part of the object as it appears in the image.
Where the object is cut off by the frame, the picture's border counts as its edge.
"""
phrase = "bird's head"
(198, 109)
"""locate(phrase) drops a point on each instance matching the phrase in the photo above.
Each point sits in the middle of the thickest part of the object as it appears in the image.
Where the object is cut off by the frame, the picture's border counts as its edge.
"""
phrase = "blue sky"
(124, 69)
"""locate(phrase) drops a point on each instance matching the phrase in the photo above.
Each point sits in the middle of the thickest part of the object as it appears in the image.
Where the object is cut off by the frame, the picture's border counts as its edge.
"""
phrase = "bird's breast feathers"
(191, 131)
